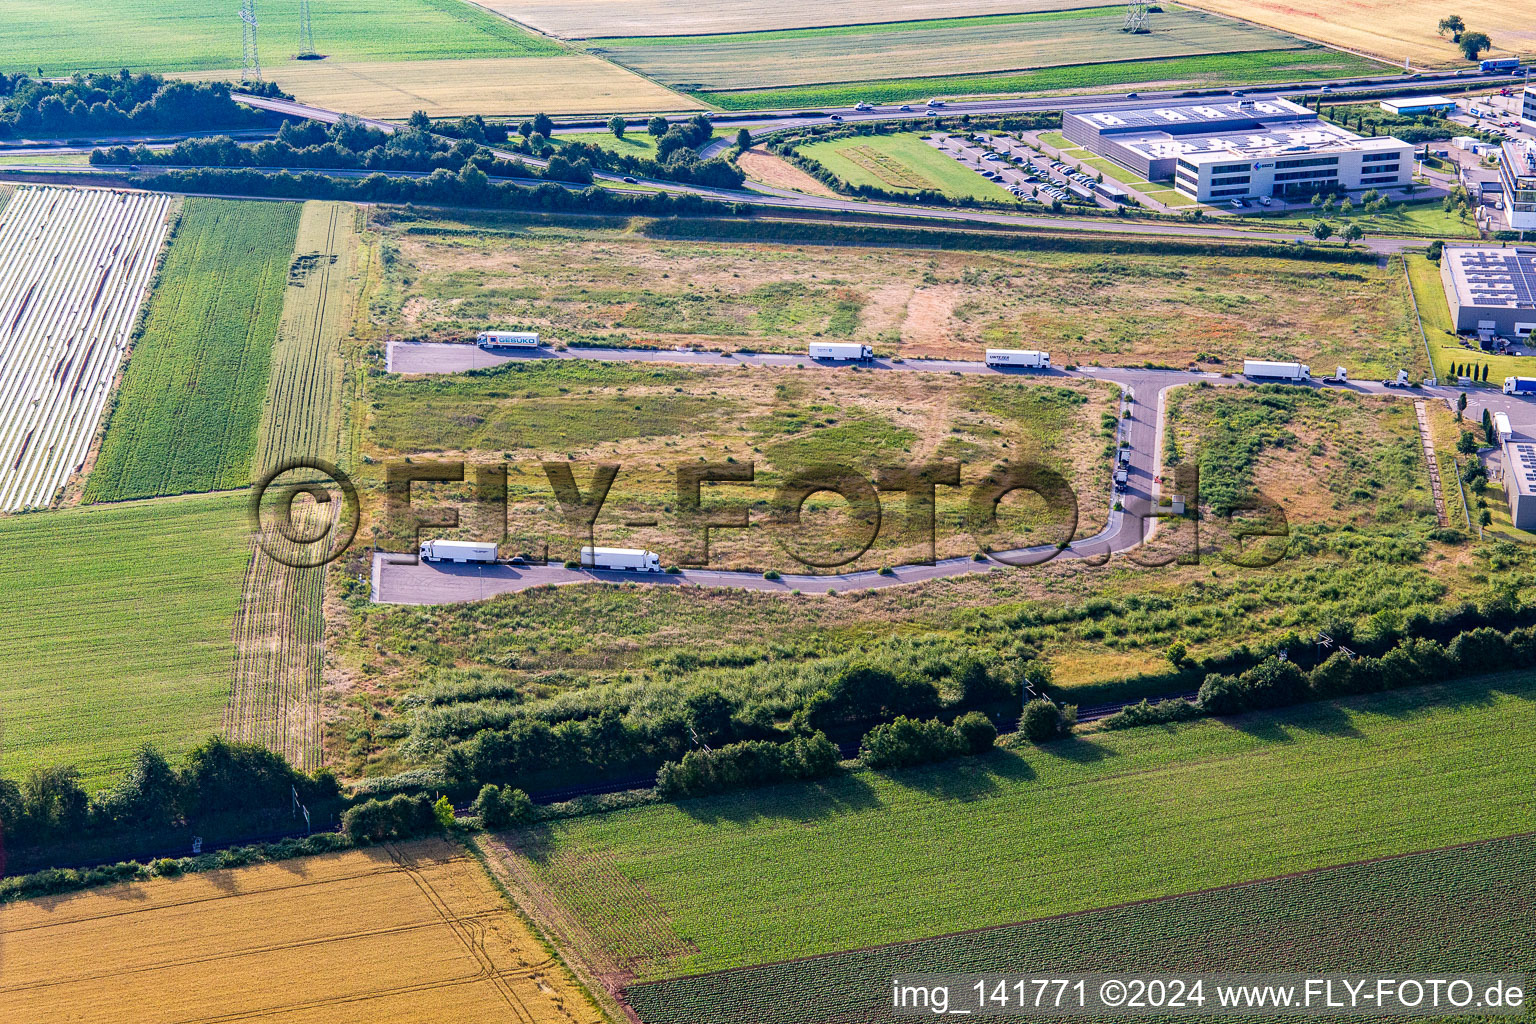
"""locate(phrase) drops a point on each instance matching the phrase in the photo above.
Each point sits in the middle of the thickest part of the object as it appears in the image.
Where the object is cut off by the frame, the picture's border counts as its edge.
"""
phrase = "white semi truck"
(841, 351)
(632, 559)
(1026, 358)
(457, 551)
(1258, 369)
(1502, 427)
(507, 339)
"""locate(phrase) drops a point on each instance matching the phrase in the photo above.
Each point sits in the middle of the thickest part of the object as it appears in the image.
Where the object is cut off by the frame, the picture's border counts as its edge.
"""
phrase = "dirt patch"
(763, 166)
(929, 327)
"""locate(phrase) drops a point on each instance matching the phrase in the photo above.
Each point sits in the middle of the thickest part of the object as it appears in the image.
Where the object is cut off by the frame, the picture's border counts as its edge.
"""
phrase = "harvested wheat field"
(571, 84)
(1391, 29)
(398, 933)
(590, 19)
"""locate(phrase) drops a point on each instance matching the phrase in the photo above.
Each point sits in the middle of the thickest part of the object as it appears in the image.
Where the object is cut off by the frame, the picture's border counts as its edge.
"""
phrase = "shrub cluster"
(1044, 720)
(399, 817)
(1175, 709)
(746, 764)
(502, 805)
(101, 103)
(908, 741)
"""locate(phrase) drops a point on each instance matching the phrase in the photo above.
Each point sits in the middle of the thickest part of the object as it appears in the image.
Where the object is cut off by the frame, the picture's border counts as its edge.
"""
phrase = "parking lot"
(1030, 176)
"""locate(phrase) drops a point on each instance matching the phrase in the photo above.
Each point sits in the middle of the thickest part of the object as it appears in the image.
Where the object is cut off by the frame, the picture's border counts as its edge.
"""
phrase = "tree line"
(104, 103)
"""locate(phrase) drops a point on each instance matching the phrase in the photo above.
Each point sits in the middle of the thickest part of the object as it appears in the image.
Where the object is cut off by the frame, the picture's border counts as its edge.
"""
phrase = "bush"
(1044, 720)
(1146, 713)
(976, 731)
(399, 817)
(498, 806)
(907, 741)
(749, 763)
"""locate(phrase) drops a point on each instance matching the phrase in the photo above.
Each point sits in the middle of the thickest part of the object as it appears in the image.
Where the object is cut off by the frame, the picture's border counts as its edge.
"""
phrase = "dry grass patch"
(1391, 29)
(493, 86)
(763, 166)
(400, 933)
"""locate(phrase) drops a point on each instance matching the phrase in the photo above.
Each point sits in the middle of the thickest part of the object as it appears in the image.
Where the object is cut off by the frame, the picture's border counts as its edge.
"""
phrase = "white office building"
(1241, 149)
(1517, 176)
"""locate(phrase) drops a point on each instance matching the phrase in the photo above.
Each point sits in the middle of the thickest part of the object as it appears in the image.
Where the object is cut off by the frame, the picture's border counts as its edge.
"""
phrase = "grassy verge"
(187, 416)
(1162, 193)
(1445, 347)
(1211, 70)
(1423, 219)
(1021, 835)
(901, 162)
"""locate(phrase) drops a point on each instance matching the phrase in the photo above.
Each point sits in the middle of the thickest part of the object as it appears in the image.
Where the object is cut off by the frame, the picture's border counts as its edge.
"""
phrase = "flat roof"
(1181, 117)
(1493, 278)
(1519, 155)
(1418, 101)
(1520, 466)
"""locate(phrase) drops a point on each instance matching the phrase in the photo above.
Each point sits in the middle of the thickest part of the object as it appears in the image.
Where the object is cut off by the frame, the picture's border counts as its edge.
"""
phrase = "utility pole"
(250, 65)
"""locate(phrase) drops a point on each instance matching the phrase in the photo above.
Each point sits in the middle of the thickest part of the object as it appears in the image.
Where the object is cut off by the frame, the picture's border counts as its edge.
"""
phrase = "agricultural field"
(1390, 30)
(779, 420)
(408, 933)
(1460, 909)
(1219, 70)
(77, 264)
(450, 278)
(903, 162)
(561, 83)
(189, 409)
(929, 49)
(1328, 457)
(65, 36)
(275, 698)
(1020, 835)
(117, 629)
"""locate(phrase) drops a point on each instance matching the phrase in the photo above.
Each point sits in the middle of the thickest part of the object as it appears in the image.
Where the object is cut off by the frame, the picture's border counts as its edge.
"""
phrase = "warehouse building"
(1517, 176)
(1491, 290)
(1241, 149)
(1520, 482)
(1411, 106)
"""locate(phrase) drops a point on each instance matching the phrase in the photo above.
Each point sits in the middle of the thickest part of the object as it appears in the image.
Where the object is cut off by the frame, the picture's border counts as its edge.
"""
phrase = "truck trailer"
(1520, 385)
(457, 551)
(841, 351)
(632, 559)
(1257, 369)
(1026, 358)
(507, 339)
(1502, 428)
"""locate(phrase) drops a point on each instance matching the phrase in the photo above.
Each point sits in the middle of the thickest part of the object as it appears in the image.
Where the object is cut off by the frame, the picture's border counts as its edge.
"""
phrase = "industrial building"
(1240, 149)
(1517, 176)
(1528, 108)
(1520, 482)
(1410, 106)
(1491, 290)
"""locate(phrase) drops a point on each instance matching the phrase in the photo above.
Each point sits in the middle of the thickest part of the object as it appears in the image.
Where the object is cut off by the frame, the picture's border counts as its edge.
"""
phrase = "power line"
(306, 33)
(1135, 17)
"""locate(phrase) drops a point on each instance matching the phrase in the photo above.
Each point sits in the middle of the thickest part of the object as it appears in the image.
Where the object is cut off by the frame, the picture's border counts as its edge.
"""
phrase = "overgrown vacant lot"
(449, 279)
(190, 405)
(117, 630)
(1461, 909)
(1328, 457)
(64, 36)
(1013, 836)
(782, 421)
(410, 933)
(918, 49)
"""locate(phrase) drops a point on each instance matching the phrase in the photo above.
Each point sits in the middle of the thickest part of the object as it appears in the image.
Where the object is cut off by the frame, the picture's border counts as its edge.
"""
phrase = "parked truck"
(1520, 385)
(1502, 428)
(841, 351)
(457, 551)
(1258, 369)
(507, 339)
(632, 559)
(1026, 358)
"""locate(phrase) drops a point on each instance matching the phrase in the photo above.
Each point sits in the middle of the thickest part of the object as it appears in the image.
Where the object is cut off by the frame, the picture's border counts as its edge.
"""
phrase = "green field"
(1425, 219)
(1206, 71)
(61, 37)
(190, 405)
(901, 163)
(45, 158)
(923, 49)
(1459, 910)
(1013, 836)
(117, 629)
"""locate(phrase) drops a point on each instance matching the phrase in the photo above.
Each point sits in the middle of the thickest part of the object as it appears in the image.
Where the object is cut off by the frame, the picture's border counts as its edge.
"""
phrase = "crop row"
(74, 268)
